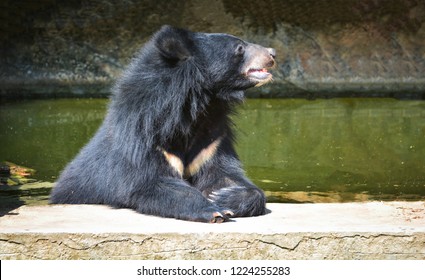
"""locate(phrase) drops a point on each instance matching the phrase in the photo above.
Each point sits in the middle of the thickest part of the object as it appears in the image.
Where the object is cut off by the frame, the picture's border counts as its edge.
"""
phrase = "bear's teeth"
(259, 74)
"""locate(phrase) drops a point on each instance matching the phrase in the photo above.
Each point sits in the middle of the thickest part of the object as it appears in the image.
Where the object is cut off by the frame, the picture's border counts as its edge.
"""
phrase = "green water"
(330, 150)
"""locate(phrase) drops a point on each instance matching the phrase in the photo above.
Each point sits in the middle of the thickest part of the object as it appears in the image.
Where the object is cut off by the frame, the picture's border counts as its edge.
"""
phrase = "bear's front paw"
(222, 197)
(242, 201)
(219, 217)
(211, 214)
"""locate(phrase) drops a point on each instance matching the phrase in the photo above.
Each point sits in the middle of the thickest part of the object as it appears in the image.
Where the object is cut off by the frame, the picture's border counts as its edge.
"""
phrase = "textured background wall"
(325, 48)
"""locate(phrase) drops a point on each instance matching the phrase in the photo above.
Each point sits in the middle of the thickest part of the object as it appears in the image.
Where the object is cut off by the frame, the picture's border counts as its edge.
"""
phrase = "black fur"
(174, 99)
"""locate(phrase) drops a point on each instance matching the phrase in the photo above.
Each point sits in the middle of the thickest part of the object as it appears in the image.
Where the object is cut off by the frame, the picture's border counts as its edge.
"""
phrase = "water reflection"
(297, 150)
(46, 134)
(373, 147)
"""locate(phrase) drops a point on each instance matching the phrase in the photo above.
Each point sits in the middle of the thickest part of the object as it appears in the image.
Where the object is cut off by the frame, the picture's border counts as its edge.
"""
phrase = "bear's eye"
(240, 50)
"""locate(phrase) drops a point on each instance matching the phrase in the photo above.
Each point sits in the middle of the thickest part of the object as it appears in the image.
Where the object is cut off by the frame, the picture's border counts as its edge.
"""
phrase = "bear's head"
(226, 63)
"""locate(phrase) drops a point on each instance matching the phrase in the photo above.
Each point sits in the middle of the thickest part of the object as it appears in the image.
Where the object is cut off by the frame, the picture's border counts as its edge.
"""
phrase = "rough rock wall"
(340, 47)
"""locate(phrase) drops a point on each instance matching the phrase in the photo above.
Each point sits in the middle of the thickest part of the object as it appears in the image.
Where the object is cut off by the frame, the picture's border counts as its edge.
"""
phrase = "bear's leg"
(174, 198)
(222, 181)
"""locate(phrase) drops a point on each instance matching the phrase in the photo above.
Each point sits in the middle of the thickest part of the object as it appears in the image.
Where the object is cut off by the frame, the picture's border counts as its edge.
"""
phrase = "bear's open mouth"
(259, 75)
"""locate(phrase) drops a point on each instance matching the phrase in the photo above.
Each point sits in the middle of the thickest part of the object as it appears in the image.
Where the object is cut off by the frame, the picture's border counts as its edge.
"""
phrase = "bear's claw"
(228, 213)
(219, 218)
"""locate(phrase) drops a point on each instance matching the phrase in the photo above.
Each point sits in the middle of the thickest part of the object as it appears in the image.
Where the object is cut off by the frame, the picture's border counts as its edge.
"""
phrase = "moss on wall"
(79, 47)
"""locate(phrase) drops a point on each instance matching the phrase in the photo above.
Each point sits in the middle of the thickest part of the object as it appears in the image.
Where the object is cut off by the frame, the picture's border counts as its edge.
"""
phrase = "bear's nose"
(272, 52)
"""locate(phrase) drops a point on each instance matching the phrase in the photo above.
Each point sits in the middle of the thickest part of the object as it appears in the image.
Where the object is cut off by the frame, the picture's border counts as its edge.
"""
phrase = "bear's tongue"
(259, 74)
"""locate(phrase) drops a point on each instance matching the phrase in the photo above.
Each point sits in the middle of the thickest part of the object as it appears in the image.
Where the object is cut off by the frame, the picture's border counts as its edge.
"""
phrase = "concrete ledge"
(393, 230)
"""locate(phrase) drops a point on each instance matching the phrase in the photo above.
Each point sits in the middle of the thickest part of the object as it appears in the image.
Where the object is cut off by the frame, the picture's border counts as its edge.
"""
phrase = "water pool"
(296, 150)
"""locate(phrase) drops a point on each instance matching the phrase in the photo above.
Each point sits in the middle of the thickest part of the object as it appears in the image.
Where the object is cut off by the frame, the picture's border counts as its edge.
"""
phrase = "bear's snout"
(259, 60)
(272, 52)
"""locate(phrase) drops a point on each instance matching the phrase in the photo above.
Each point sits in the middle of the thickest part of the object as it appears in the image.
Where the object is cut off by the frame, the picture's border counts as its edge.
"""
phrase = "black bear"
(166, 147)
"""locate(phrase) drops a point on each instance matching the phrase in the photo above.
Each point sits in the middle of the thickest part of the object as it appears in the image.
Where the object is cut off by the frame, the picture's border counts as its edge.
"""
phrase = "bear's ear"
(174, 43)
